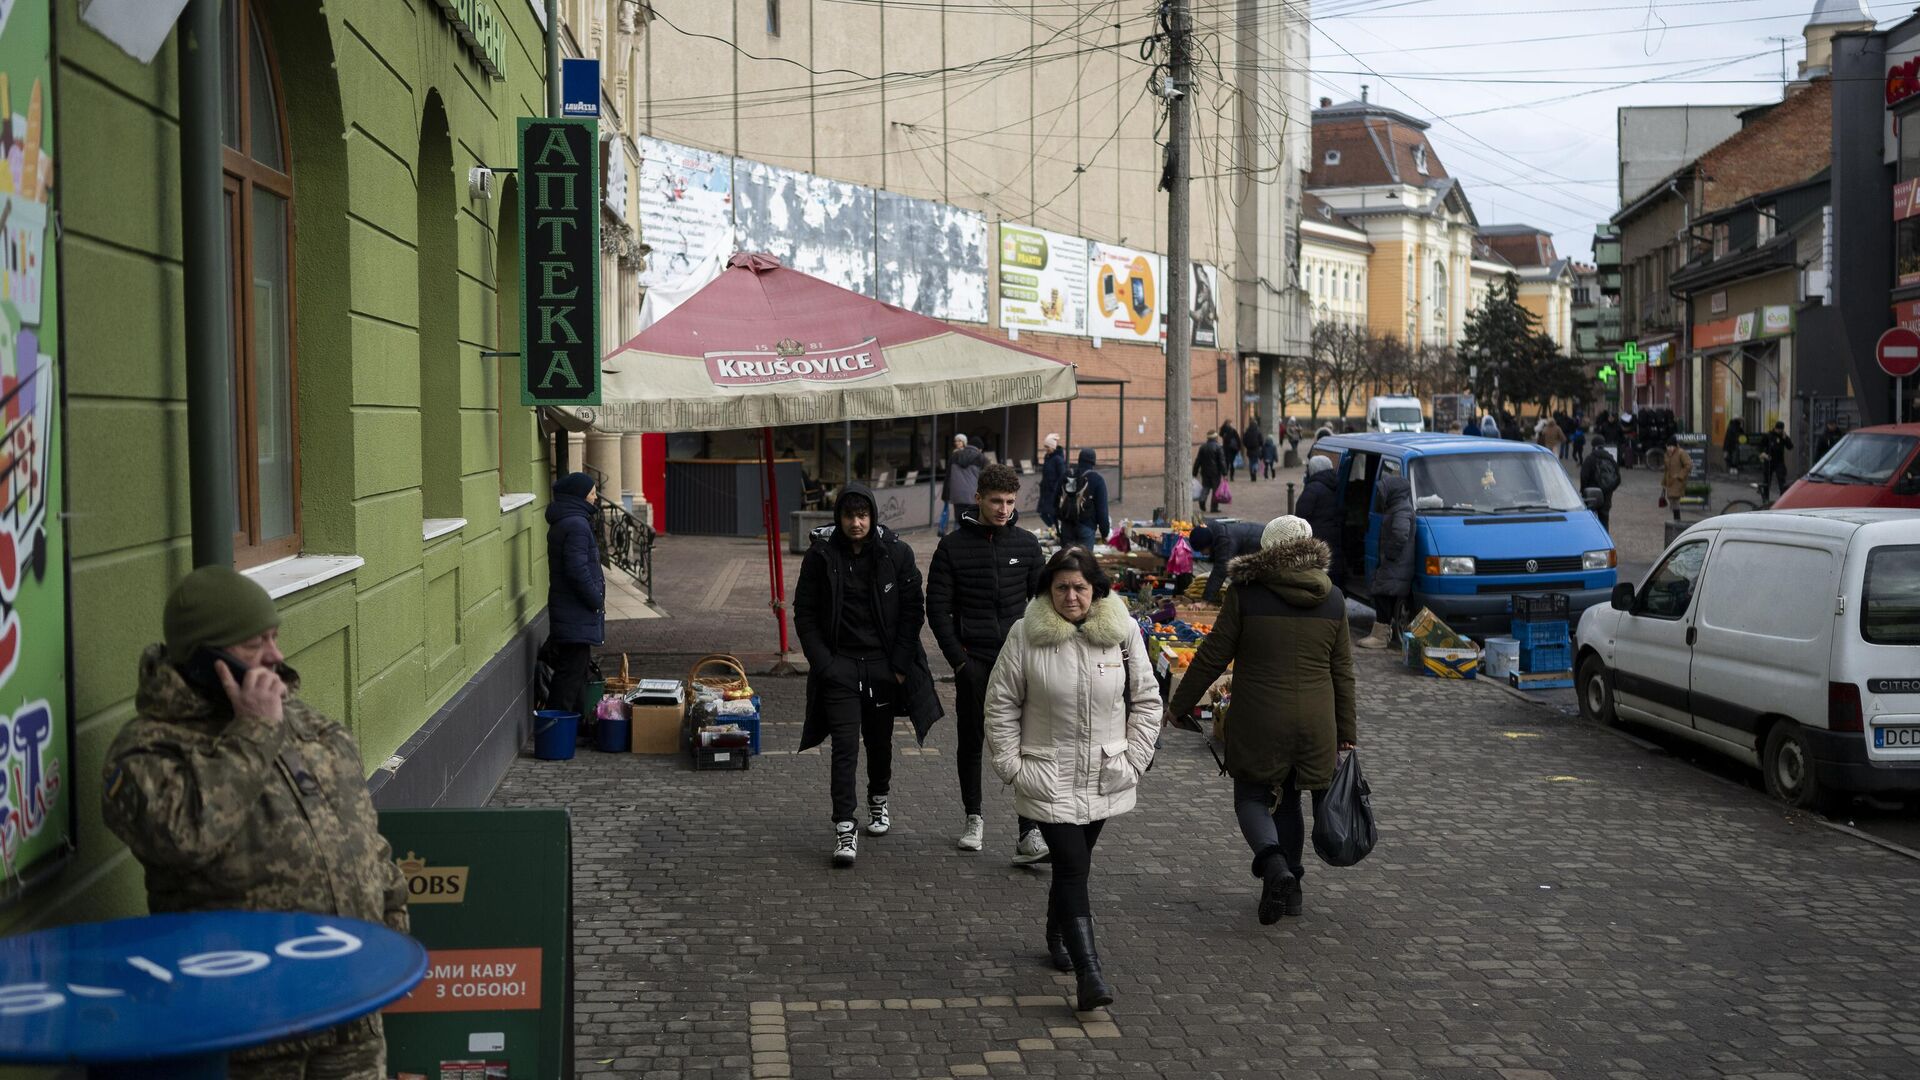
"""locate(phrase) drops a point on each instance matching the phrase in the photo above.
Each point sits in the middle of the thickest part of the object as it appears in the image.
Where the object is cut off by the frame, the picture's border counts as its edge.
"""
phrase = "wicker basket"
(623, 682)
(719, 672)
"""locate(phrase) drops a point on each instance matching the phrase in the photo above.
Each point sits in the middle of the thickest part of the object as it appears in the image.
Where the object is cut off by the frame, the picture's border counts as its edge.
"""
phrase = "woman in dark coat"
(1284, 630)
(1392, 584)
(1229, 446)
(1252, 441)
(1320, 505)
(576, 593)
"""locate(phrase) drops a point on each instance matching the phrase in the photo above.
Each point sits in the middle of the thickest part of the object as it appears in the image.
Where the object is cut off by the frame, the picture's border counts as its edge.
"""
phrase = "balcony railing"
(626, 542)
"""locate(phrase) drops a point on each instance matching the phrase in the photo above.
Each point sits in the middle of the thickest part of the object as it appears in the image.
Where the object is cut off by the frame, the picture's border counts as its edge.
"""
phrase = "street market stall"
(763, 346)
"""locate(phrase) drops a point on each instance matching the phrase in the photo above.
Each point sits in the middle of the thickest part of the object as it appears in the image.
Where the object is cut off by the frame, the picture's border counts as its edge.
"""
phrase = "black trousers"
(1072, 847)
(862, 712)
(1273, 826)
(570, 660)
(1772, 473)
(1232, 472)
(970, 701)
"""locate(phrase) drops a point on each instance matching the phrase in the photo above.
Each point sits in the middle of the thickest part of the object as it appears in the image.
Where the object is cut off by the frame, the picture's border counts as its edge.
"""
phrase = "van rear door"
(1765, 634)
(1886, 658)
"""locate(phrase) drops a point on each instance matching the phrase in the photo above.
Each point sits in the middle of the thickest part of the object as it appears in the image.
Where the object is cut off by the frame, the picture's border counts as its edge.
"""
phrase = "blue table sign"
(170, 995)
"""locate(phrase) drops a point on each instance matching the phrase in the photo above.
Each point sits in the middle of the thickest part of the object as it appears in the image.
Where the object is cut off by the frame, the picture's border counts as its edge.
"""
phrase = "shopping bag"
(1194, 490)
(1343, 830)
(1663, 501)
(1181, 561)
(1118, 541)
(1223, 494)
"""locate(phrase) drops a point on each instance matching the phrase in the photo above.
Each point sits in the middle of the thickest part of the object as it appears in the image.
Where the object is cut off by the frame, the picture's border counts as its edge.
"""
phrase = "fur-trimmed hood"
(1106, 626)
(1295, 569)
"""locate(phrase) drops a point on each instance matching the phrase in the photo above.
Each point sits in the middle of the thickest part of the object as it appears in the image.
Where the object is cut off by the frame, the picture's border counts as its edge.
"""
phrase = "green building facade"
(389, 487)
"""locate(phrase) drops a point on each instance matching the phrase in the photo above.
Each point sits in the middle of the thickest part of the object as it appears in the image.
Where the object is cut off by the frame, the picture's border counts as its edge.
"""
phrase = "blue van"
(1493, 518)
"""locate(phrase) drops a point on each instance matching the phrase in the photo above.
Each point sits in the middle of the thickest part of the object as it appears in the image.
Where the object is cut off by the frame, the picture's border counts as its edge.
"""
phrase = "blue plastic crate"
(1540, 633)
(1541, 658)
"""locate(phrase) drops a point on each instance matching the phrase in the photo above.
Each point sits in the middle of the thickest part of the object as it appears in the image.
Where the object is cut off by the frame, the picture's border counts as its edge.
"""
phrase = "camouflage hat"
(215, 606)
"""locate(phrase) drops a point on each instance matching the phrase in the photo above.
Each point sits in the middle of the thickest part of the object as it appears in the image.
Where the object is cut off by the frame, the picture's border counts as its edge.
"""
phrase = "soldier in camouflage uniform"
(234, 794)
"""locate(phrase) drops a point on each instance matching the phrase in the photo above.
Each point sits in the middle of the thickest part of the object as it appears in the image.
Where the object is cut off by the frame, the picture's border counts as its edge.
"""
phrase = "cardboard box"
(1444, 663)
(656, 728)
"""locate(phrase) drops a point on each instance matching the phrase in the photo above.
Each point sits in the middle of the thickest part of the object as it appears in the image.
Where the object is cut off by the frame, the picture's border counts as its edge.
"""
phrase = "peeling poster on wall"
(36, 760)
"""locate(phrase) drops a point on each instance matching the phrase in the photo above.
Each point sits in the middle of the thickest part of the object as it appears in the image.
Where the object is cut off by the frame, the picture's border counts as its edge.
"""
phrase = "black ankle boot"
(1094, 992)
(1057, 945)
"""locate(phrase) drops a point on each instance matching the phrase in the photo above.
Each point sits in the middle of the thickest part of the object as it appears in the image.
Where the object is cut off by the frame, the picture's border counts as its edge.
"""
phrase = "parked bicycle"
(1742, 506)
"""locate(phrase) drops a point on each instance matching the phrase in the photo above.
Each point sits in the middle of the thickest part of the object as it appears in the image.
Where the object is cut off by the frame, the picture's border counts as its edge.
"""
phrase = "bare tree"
(1342, 353)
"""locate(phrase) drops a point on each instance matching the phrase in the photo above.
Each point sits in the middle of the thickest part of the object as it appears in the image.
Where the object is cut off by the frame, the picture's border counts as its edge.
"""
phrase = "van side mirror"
(1623, 597)
(1909, 484)
(1593, 497)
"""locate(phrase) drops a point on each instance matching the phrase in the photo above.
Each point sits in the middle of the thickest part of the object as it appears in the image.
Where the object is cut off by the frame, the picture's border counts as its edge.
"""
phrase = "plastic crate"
(1542, 607)
(1542, 658)
(1530, 634)
(729, 758)
(1552, 680)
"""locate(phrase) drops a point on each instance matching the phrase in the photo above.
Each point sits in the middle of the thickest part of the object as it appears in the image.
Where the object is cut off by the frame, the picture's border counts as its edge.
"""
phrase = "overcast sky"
(1523, 93)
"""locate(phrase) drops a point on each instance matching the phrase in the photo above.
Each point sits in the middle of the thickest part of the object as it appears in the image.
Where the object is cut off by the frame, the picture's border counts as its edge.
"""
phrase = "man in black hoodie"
(858, 610)
(1082, 507)
(978, 585)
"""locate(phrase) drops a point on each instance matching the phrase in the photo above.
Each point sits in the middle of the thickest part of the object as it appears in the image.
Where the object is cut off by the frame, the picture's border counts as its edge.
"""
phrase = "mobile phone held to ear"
(200, 673)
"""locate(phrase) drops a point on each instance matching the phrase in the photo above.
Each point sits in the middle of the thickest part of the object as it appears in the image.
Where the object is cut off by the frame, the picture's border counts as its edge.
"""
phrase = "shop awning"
(765, 346)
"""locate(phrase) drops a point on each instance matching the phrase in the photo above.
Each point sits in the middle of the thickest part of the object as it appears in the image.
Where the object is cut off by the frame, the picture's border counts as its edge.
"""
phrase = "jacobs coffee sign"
(559, 262)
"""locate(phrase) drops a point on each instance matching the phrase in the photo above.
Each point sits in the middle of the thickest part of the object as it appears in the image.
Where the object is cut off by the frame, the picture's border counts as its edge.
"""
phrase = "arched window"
(259, 237)
(1323, 283)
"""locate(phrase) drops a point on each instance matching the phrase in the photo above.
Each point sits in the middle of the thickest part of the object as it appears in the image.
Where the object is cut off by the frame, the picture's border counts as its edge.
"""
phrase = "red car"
(1872, 467)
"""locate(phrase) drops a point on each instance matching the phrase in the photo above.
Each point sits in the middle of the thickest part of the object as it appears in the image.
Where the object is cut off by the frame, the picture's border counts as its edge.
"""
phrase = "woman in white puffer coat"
(1072, 715)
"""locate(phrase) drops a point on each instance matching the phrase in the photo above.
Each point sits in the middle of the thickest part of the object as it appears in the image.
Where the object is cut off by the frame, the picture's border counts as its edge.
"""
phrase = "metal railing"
(626, 542)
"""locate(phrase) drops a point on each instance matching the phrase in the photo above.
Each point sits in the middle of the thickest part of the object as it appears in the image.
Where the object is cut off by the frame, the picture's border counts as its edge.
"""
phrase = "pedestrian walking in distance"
(1072, 715)
(1283, 629)
(1392, 583)
(982, 575)
(1209, 467)
(1230, 449)
(963, 475)
(1053, 472)
(1081, 506)
(858, 610)
(576, 592)
(1601, 473)
(1677, 467)
(235, 795)
(1774, 448)
(1255, 444)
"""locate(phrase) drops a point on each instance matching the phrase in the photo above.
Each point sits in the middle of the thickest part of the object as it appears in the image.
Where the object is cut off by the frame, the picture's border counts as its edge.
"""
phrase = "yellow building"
(1375, 168)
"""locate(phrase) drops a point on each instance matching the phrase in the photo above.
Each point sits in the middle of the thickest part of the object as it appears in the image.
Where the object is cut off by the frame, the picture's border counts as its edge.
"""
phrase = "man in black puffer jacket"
(1320, 504)
(858, 610)
(978, 586)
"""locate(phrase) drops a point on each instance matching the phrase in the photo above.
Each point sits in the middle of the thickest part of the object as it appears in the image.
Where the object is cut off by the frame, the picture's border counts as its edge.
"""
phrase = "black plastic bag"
(1343, 830)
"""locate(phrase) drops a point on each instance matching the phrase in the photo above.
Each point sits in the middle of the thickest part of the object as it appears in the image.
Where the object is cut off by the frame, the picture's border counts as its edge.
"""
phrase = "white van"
(1789, 640)
(1395, 413)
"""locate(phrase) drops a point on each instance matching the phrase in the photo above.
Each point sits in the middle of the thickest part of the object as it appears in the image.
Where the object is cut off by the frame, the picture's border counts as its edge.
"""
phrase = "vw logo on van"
(1533, 566)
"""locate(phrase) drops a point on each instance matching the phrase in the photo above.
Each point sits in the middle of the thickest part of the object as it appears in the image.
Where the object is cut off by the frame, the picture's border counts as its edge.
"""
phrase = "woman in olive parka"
(1283, 628)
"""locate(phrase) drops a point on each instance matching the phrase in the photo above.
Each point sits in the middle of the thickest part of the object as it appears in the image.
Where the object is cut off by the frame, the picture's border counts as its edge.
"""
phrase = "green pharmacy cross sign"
(1629, 357)
(1606, 374)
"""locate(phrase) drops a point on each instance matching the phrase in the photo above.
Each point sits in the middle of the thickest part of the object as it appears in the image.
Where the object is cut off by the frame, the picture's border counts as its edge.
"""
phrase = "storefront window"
(1909, 126)
(1906, 251)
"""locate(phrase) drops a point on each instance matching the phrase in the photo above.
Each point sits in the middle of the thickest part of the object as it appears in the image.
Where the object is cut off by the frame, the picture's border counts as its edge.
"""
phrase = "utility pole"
(1179, 418)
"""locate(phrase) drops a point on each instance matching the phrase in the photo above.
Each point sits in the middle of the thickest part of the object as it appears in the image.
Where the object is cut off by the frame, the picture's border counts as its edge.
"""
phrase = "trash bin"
(554, 733)
(613, 736)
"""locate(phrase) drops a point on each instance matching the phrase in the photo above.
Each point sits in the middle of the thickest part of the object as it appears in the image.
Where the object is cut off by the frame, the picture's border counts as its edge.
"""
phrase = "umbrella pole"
(775, 566)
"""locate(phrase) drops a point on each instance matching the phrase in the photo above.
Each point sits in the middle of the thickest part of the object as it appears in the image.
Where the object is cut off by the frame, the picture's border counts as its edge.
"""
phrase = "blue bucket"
(554, 733)
(613, 736)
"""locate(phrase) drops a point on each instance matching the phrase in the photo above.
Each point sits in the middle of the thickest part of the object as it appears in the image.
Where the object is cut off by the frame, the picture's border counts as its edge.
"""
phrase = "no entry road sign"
(1899, 352)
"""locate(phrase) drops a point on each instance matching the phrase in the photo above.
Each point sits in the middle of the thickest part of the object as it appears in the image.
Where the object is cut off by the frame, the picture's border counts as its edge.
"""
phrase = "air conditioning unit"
(479, 182)
(1814, 285)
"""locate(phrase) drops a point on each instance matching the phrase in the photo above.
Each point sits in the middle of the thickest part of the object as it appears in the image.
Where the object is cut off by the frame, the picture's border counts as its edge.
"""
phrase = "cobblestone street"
(1548, 900)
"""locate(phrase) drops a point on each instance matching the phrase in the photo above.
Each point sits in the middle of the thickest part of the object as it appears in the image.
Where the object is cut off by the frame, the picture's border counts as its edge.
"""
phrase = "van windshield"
(1492, 483)
(1891, 614)
(1861, 458)
(1399, 414)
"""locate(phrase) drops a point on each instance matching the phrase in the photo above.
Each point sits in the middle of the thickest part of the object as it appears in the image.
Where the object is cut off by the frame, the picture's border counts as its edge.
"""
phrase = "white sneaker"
(846, 843)
(878, 820)
(1032, 849)
(974, 836)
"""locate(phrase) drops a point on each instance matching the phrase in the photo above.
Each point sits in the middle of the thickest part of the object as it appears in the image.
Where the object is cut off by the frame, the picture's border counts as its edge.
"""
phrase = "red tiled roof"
(1373, 150)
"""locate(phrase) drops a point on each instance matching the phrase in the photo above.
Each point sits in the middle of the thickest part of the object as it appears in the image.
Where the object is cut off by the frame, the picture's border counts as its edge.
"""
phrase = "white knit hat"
(1284, 528)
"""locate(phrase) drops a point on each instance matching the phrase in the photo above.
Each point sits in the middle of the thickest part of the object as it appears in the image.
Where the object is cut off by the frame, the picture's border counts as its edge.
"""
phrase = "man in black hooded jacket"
(858, 611)
(978, 585)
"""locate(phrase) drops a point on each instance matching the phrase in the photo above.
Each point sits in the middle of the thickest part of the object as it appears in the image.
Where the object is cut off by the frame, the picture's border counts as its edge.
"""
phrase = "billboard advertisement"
(932, 258)
(1203, 296)
(1043, 281)
(36, 752)
(1126, 297)
(811, 224)
(686, 208)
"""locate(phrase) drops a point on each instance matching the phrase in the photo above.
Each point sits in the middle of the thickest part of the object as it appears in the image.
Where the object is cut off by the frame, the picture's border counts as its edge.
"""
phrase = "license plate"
(1896, 738)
